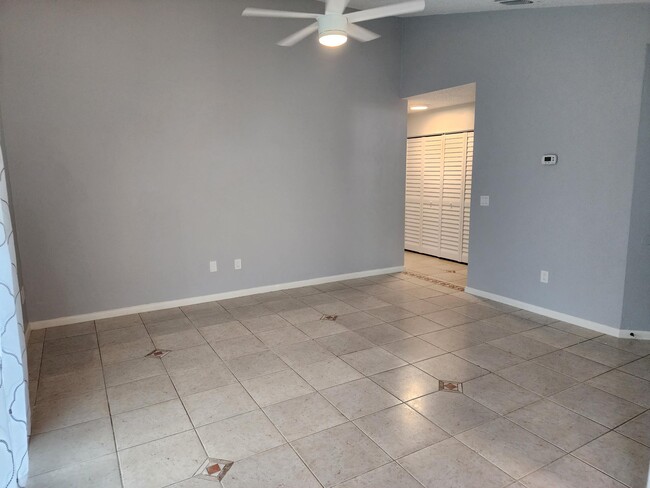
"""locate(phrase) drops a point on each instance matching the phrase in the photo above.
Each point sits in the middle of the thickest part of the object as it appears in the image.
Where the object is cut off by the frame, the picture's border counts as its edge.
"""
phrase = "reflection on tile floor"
(299, 402)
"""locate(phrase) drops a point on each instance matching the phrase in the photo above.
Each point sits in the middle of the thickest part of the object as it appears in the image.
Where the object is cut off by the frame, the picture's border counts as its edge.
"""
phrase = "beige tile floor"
(300, 402)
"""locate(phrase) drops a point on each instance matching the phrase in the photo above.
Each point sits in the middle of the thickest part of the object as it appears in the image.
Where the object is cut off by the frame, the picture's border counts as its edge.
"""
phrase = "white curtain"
(14, 404)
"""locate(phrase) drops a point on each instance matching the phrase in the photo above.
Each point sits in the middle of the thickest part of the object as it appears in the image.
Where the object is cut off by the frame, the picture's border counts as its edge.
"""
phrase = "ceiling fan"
(334, 26)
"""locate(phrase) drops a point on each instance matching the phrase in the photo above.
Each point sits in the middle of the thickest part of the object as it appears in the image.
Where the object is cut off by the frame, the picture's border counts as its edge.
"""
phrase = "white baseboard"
(638, 334)
(587, 324)
(106, 314)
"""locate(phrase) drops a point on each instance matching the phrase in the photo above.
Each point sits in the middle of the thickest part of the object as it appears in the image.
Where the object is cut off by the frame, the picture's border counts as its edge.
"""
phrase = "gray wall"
(565, 81)
(148, 137)
(636, 303)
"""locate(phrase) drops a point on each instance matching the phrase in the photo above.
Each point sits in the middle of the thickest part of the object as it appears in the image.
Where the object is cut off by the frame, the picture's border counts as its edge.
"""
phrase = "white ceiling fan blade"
(336, 6)
(386, 11)
(299, 36)
(360, 33)
(262, 12)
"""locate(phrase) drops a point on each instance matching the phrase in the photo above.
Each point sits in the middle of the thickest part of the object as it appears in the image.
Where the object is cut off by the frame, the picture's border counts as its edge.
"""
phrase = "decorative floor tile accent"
(214, 469)
(329, 317)
(450, 386)
(435, 281)
(157, 353)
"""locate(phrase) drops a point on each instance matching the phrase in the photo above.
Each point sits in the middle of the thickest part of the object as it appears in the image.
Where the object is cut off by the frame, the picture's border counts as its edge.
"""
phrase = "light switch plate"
(543, 276)
(485, 200)
(213, 266)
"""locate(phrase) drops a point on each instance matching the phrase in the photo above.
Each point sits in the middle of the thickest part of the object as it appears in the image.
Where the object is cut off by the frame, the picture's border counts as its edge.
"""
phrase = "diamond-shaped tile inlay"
(157, 353)
(329, 317)
(213, 469)
(451, 386)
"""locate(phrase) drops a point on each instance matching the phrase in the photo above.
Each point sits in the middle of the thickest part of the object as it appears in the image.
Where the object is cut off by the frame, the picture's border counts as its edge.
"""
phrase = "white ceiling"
(445, 98)
(434, 7)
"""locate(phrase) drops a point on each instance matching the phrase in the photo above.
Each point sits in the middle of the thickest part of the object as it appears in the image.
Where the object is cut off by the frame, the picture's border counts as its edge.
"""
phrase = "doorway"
(439, 158)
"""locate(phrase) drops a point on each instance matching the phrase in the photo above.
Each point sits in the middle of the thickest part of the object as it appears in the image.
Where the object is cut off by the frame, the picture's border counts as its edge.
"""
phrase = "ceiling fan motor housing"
(332, 24)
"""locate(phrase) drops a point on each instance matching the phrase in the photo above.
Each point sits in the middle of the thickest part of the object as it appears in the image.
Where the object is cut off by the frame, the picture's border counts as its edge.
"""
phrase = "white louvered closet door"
(453, 175)
(413, 204)
(468, 196)
(431, 193)
(438, 195)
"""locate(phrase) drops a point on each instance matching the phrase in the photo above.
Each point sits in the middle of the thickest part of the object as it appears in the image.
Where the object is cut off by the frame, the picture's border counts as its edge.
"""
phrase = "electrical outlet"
(543, 276)
(485, 200)
(213, 266)
(238, 263)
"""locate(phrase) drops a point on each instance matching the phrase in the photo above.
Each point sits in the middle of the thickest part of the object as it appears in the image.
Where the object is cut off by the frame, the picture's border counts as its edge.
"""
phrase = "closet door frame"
(467, 199)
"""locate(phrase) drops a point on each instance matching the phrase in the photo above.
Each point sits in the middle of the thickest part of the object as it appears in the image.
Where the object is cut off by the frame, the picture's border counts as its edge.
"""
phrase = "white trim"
(73, 319)
(587, 324)
(638, 334)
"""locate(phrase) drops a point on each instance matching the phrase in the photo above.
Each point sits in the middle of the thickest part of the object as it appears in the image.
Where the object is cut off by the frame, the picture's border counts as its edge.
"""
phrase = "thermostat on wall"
(549, 159)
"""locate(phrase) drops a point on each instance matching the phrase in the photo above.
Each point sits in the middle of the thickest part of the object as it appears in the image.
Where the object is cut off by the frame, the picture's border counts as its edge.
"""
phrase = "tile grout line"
(180, 400)
(38, 380)
(115, 452)
(108, 404)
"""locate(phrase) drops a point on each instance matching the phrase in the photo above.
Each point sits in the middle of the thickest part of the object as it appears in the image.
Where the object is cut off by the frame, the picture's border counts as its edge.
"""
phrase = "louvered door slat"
(454, 150)
(413, 204)
(431, 194)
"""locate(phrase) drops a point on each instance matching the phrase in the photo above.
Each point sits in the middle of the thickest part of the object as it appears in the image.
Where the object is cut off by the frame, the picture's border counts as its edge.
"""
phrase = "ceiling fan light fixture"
(332, 30)
(333, 38)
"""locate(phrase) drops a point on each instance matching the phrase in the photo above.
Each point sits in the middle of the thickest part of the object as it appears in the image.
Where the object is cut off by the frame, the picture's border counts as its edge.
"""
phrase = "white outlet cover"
(543, 276)
(485, 200)
(237, 263)
(213, 266)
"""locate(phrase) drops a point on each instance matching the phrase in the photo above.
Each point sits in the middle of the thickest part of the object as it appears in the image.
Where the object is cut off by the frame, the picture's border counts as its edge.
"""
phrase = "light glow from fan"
(419, 107)
(333, 39)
